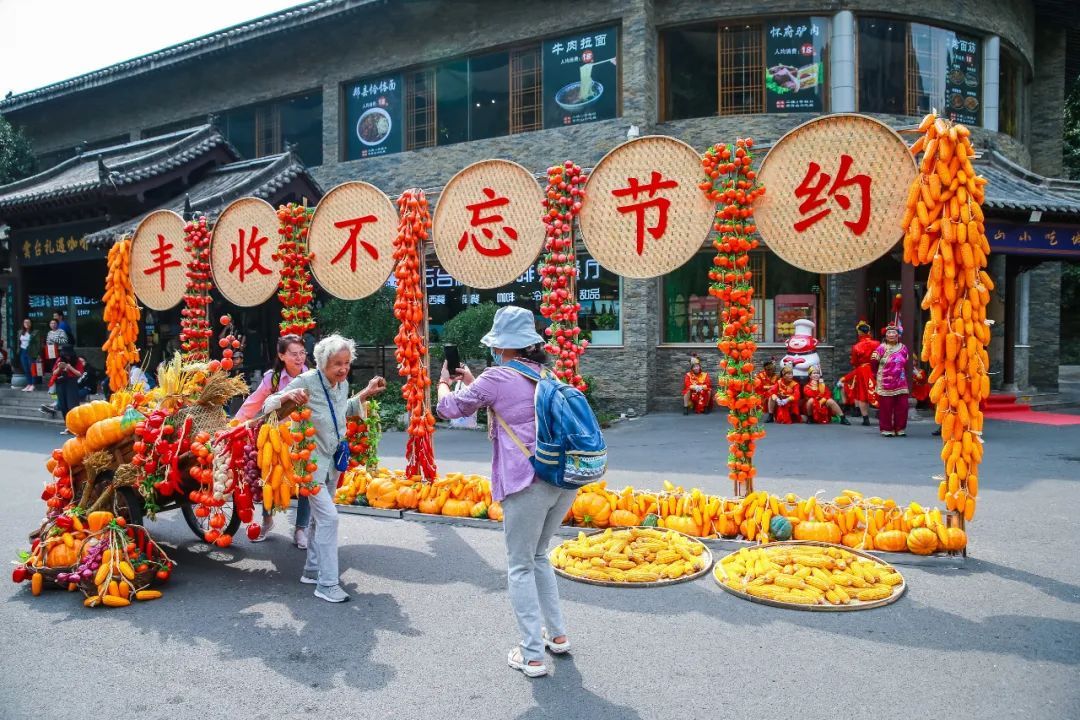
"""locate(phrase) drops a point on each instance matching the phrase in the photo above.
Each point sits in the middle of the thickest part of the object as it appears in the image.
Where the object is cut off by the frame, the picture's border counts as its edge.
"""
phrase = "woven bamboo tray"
(159, 260)
(706, 554)
(719, 575)
(250, 220)
(351, 273)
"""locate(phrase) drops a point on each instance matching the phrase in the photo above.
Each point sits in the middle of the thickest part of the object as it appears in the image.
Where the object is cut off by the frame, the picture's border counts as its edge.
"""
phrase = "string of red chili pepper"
(565, 192)
(295, 290)
(195, 323)
(732, 184)
(411, 341)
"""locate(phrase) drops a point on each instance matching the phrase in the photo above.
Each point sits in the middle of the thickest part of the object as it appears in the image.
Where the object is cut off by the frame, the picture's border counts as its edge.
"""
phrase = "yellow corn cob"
(871, 594)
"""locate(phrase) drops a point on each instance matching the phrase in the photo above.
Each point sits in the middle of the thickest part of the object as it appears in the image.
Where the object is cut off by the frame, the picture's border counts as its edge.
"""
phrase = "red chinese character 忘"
(477, 221)
(354, 226)
(246, 254)
(813, 199)
(162, 260)
(635, 188)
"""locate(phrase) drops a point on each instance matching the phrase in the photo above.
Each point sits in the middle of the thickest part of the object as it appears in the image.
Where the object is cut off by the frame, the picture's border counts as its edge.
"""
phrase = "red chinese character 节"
(813, 199)
(354, 226)
(477, 221)
(247, 253)
(635, 188)
(162, 260)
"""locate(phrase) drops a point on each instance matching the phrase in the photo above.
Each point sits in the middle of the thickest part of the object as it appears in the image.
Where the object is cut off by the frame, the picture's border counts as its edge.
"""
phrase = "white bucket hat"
(514, 329)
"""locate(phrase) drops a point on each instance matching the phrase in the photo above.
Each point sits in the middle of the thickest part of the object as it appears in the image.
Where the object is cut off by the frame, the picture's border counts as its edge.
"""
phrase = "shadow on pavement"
(1053, 588)
(563, 695)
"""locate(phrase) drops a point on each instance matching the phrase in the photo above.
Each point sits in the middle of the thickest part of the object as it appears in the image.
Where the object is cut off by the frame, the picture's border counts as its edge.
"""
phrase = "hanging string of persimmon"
(295, 290)
(410, 310)
(731, 183)
(195, 329)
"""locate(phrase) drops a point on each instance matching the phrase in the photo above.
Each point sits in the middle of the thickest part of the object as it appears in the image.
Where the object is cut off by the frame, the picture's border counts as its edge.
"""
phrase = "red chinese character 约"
(162, 260)
(477, 221)
(635, 188)
(354, 226)
(813, 199)
(246, 254)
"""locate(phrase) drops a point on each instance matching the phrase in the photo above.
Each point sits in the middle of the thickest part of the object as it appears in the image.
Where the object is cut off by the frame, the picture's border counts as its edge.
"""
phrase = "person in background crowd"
(53, 341)
(765, 387)
(62, 323)
(859, 383)
(29, 350)
(697, 389)
(533, 509)
(290, 363)
(889, 360)
(325, 391)
(86, 385)
(920, 388)
(784, 404)
(67, 370)
(138, 379)
(5, 359)
(818, 400)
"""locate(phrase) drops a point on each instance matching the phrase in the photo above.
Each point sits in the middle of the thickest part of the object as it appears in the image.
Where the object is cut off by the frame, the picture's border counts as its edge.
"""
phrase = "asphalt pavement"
(429, 627)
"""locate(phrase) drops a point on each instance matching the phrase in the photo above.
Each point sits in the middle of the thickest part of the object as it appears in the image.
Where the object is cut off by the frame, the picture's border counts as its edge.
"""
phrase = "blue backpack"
(570, 448)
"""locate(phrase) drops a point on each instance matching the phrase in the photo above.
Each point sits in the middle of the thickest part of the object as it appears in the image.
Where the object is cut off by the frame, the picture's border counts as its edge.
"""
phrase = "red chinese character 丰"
(634, 189)
(163, 260)
(477, 221)
(247, 254)
(813, 199)
(354, 226)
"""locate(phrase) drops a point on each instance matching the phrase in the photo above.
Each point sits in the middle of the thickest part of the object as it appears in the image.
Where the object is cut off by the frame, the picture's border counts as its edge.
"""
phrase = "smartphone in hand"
(453, 359)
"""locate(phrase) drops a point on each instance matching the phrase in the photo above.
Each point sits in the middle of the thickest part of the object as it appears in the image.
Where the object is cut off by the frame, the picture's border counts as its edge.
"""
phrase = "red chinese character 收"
(354, 226)
(163, 260)
(813, 199)
(477, 221)
(635, 188)
(247, 252)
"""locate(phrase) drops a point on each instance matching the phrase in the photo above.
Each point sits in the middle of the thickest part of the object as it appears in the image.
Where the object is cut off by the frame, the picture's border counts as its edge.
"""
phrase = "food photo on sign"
(374, 113)
(794, 64)
(581, 77)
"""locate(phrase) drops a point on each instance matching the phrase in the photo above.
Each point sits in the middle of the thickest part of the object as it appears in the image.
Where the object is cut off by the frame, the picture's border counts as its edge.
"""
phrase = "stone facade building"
(451, 83)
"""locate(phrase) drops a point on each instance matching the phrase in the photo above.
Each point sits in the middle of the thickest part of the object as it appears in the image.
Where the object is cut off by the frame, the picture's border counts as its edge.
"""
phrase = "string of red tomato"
(732, 184)
(411, 340)
(195, 321)
(295, 290)
(562, 203)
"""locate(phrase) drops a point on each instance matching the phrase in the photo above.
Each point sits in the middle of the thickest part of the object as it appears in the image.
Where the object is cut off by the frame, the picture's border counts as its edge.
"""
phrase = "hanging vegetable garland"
(363, 436)
(945, 227)
(733, 186)
(121, 315)
(295, 290)
(195, 322)
(411, 339)
(565, 192)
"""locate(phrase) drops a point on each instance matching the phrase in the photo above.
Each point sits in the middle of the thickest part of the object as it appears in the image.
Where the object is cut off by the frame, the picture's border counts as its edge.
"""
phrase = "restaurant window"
(1014, 84)
(264, 129)
(778, 66)
(910, 68)
(452, 102)
(782, 294)
(526, 91)
(420, 109)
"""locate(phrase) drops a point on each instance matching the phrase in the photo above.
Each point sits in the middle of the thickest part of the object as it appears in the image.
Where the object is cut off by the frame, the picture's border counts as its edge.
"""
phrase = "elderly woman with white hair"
(326, 391)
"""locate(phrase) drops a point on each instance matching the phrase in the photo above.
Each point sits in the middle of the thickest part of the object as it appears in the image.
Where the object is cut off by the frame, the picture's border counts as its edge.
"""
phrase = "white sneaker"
(300, 538)
(309, 579)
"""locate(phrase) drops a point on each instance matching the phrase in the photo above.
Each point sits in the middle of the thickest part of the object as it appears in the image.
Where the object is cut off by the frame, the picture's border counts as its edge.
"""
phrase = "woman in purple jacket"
(532, 509)
(888, 363)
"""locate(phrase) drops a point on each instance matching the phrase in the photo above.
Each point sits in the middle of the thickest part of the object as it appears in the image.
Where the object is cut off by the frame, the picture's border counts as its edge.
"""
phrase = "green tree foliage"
(1072, 132)
(466, 328)
(16, 154)
(369, 321)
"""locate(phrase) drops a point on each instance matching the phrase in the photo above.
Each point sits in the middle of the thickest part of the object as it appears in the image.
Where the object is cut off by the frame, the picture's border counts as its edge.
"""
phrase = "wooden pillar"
(1008, 371)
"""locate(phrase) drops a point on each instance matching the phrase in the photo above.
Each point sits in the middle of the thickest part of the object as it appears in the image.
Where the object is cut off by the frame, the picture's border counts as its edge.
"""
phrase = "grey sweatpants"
(530, 518)
(322, 549)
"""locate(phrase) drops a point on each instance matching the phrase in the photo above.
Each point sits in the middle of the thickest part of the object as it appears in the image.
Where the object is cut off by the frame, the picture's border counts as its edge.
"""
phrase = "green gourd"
(779, 528)
(650, 520)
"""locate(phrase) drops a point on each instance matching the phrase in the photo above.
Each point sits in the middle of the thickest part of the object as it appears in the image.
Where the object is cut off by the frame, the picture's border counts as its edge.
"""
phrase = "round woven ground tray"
(706, 555)
(719, 575)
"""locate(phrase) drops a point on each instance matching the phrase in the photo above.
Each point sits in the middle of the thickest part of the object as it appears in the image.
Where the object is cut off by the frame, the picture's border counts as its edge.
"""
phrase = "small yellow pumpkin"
(106, 432)
(891, 540)
(382, 493)
(624, 518)
(458, 507)
(682, 523)
(957, 539)
(74, 451)
(79, 419)
(922, 541)
(495, 511)
(820, 531)
(591, 510)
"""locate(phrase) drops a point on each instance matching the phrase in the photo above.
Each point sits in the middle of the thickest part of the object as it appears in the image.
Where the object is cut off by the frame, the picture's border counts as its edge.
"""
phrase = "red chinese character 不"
(635, 188)
(162, 260)
(477, 221)
(813, 199)
(354, 226)
(246, 254)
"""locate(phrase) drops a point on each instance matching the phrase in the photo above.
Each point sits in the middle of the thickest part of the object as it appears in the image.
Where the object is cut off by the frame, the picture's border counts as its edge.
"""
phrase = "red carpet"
(1027, 415)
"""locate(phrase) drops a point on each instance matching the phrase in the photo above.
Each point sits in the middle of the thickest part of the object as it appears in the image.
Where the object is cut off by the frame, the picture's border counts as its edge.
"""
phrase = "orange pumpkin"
(74, 451)
(432, 505)
(922, 541)
(624, 518)
(106, 432)
(80, 418)
(591, 510)
(856, 539)
(891, 540)
(819, 531)
(957, 539)
(382, 493)
(725, 525)
(456, 507)
(495, 511)
(407, 497)
(60, 555)
(682, 523)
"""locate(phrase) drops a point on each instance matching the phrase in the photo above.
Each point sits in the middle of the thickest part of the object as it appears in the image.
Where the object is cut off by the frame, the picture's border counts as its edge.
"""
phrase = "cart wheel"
(128, 505)
(199, 525)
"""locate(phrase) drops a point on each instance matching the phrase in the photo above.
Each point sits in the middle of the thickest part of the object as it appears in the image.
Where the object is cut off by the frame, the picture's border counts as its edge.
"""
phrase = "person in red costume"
(765, 387)
(818, 401)
(859, 383)
(697, 389)
(920, 388)
(784, 404)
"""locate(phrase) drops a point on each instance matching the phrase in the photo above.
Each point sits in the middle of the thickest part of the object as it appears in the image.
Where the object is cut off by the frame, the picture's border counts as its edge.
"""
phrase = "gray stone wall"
(1048, 101)
(1044, 332)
